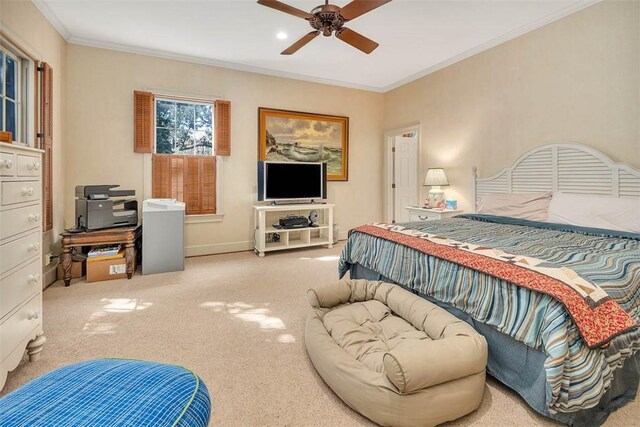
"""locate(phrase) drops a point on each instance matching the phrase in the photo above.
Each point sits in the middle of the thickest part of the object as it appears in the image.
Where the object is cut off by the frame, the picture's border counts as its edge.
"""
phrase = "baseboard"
(219, 248)
(49, 274)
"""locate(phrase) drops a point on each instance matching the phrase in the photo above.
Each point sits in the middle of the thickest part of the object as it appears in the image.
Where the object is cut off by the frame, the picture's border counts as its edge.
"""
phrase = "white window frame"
(25, 87)
(176, 100)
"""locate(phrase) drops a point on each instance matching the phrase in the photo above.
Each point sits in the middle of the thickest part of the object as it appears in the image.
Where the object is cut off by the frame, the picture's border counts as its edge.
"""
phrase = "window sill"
(199, 219)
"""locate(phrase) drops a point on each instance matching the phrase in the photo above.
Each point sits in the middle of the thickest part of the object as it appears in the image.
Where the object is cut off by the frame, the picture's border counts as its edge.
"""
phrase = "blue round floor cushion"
(110, 392)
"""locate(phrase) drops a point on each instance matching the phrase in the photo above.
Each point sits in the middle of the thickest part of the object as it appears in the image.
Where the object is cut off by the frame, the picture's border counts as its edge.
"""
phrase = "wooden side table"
(125, 235)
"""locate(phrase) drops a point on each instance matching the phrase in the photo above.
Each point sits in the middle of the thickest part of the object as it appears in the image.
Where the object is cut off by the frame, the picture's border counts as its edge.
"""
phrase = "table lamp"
(435, 179)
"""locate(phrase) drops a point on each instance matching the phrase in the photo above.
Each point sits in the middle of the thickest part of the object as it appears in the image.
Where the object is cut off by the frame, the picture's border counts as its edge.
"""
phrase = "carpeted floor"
(238, 321)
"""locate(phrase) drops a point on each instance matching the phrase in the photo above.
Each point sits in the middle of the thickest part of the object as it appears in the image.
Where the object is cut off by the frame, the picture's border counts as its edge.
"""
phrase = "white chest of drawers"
(20, 256)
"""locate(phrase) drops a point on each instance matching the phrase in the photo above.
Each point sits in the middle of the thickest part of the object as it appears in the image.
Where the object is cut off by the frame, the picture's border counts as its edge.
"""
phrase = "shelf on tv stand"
(291, 238)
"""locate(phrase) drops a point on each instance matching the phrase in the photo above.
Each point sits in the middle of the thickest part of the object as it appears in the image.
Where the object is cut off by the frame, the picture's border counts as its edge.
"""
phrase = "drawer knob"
(34, 217)
(423, 218)
(33, 278)
(7, 163)
(33, 315)
(33, 247)
(33, 166)
(27, 191)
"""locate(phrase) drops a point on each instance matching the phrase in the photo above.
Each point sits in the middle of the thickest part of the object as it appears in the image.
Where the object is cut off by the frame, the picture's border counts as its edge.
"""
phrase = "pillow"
(531, 206)
(612, 213)
(415, 364)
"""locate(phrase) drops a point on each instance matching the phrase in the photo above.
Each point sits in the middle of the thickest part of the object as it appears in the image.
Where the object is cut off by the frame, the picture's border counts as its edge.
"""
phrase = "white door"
(405, 176)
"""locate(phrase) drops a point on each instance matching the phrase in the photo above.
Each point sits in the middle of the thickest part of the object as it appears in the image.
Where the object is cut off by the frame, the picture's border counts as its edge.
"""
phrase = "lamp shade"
(436, 177)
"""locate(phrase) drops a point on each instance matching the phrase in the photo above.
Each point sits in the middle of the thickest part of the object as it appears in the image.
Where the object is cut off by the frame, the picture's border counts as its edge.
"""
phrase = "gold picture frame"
(293, 136)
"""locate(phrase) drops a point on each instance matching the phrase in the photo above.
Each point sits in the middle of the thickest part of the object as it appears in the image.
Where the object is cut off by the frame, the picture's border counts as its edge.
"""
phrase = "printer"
(95, 209)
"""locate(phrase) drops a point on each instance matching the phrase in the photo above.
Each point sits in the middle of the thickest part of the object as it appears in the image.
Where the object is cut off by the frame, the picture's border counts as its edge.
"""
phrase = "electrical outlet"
(47, 258)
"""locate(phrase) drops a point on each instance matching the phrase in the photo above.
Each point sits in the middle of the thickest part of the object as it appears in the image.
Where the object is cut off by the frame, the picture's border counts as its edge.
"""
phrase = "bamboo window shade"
(188, 178)
(46, 116)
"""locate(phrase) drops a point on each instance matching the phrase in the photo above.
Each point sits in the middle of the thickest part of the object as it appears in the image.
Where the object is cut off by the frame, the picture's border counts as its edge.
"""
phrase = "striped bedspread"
(577, 375)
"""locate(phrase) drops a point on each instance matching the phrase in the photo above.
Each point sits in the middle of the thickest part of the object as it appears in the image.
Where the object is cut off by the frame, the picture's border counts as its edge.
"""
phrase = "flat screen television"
(289, 181)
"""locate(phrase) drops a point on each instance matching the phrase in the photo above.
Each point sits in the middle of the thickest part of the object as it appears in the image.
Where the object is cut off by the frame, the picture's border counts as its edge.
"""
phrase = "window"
(184, 138)
(27, 96)
(184, 127)
(13, 87)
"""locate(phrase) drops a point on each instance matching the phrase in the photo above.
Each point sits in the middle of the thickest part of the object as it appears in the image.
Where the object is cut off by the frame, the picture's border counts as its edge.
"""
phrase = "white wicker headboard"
(569, 168)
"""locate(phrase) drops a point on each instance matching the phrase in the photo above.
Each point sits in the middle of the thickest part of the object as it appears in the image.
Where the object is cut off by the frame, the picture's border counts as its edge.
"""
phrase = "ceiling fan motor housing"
(327, 18)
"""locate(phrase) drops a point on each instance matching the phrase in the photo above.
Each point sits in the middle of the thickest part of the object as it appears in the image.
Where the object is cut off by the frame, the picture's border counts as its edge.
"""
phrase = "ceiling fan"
(327, 19)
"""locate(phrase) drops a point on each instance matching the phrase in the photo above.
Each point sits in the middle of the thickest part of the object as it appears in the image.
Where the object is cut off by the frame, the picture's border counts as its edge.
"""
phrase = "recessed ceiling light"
(281, 35)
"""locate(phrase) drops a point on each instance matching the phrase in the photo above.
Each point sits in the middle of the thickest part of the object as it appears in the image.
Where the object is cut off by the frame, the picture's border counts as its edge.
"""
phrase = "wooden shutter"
(207, 185)
(190, 179)
(192, 185)
(167, 177)
(200, 185)
(178, 173)
(222, 126)
(161, 176)
(143, 117)
(46, 114)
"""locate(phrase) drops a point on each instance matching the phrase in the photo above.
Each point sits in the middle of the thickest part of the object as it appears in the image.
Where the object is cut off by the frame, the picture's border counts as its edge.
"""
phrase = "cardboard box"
(107, 269)
(77, 270)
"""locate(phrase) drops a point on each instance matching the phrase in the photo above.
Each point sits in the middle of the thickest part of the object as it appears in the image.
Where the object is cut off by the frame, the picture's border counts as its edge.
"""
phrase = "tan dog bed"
(394, 357)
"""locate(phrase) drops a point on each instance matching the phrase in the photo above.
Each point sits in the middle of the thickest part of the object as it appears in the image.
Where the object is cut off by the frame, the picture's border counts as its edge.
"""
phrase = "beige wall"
(100, 134)
(576, 80)
(24, 24)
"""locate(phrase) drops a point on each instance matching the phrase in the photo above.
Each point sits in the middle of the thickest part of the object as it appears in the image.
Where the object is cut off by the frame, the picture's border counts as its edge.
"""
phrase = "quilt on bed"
(577, 375)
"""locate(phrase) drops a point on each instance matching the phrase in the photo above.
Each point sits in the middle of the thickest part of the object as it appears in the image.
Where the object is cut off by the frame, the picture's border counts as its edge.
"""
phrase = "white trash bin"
(162, 236)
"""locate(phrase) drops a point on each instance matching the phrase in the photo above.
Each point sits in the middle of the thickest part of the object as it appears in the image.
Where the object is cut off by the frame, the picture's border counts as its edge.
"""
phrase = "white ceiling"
(416, 36)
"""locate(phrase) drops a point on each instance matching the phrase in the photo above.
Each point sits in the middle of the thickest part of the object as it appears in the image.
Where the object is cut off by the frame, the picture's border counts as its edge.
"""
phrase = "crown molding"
(44, 8)
(583, 4)
(64, 32)
(216, 63)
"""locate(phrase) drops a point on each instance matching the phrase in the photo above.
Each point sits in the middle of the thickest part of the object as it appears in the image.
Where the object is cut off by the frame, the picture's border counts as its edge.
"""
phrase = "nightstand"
(417, 213)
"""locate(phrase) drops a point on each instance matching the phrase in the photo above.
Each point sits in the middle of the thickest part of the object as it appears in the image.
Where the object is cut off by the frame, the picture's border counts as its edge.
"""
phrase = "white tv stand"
(264, 216)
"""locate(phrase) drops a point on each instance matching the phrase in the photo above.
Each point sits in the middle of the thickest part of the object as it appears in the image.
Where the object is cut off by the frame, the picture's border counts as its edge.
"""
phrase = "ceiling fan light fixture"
(281, 35)
(329, 18)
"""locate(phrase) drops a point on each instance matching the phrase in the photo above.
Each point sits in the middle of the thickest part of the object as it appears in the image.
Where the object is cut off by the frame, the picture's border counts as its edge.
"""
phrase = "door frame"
(388, 165)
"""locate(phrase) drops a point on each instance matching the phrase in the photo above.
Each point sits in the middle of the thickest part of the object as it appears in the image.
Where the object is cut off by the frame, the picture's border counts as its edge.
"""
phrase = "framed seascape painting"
(291, 136)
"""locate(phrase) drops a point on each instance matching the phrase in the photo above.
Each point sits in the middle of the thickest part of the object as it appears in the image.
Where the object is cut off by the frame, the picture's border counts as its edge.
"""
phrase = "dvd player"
(294, 221)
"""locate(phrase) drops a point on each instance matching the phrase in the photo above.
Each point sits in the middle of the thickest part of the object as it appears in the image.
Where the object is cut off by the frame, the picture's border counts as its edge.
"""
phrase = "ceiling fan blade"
(274, 4)
(297, 45)
(360, 7)
(356, 40)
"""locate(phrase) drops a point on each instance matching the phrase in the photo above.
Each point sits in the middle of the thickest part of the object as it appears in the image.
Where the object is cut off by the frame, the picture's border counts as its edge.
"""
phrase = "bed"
(542, 340)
